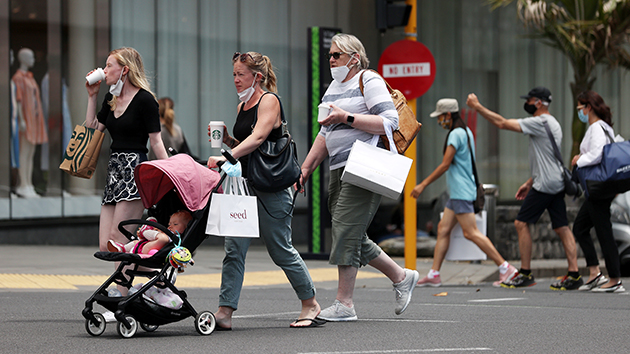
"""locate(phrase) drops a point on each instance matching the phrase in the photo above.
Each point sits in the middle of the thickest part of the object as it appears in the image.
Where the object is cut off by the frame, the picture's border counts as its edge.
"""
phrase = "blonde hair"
(259, 63)
(352, 45)
(167, 114)
(129, 57)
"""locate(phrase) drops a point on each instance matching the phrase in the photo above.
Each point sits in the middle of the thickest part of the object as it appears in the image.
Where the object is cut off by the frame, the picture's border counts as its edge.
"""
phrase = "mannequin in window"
(31, 123)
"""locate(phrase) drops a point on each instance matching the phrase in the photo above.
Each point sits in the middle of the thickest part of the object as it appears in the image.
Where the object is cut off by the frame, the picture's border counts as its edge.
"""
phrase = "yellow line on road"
(72, 282)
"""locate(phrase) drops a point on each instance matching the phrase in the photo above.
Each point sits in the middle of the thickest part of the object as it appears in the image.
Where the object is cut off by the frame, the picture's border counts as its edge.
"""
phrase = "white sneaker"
(109, 316)
(598, 281)
(338, 312)
(404, 289)
(617, 288)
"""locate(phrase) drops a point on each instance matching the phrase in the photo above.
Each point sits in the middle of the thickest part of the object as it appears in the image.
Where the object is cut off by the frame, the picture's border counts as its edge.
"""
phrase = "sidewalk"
(69, 267)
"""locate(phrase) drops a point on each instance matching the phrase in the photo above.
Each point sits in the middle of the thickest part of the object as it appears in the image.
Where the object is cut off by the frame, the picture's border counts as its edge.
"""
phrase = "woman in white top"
(595, 212)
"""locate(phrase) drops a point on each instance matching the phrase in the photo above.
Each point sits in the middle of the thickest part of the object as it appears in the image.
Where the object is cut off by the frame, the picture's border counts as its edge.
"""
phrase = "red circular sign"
(409, 67)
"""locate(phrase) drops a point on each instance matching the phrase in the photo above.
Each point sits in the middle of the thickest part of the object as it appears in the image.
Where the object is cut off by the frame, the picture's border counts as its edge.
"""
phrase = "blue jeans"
(276, 233)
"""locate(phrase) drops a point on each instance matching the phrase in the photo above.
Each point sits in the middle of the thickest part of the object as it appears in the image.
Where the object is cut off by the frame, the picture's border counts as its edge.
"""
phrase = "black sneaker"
(519, 281)
(567, 283)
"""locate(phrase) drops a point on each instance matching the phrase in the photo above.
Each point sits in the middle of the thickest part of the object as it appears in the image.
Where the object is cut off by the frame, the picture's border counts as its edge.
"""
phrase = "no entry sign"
(409, 67)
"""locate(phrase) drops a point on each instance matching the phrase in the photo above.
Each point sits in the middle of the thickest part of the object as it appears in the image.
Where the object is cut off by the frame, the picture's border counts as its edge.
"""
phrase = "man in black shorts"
(544, 190)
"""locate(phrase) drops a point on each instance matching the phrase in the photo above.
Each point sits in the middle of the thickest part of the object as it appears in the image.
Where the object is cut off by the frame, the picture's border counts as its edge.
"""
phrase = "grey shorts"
(460, 206)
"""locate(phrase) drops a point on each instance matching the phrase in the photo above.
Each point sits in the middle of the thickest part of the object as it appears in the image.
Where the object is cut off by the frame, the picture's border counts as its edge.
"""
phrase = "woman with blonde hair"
(130, 114)
(252, 73)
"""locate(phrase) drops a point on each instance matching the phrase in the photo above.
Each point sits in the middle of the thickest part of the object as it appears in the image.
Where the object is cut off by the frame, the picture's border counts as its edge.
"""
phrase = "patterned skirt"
(121, 185)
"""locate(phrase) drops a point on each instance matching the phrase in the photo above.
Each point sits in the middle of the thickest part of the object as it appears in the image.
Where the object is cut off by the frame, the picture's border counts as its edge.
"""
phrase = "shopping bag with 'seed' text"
(234, 213)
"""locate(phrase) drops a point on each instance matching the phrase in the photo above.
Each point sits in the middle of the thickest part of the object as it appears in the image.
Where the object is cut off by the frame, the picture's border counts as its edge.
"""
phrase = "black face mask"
(530, 108)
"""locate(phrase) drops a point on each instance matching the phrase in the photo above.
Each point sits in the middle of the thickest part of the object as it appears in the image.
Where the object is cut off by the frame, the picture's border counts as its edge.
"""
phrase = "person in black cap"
(543, 190)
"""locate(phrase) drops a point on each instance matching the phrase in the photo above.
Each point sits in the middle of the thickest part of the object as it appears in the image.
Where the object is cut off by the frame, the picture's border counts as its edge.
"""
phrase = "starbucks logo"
(216, 134)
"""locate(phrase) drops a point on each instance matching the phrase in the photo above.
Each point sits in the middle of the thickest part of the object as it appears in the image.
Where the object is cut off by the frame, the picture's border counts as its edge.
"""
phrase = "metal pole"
(411, 221)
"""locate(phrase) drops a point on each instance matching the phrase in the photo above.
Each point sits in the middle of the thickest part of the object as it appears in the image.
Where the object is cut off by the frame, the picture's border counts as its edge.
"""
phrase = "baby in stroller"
(166, 186)
(150, 239)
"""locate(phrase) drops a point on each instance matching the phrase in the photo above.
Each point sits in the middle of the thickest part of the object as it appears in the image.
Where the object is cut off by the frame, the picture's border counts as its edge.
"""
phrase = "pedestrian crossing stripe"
(185, 281)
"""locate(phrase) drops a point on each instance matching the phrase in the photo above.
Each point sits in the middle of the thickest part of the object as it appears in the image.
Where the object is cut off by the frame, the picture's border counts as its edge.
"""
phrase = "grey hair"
(351, 44)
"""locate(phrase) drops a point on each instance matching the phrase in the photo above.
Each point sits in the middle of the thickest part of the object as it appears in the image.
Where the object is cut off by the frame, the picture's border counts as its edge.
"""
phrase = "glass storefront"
(48, 46)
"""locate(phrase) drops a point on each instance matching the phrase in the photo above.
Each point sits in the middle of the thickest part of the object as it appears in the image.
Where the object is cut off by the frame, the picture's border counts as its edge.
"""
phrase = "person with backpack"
(595, 212)
(543, 190)
(457, 163)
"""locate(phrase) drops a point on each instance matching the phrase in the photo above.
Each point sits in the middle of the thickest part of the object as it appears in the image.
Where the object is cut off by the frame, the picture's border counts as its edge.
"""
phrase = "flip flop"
(314, 322)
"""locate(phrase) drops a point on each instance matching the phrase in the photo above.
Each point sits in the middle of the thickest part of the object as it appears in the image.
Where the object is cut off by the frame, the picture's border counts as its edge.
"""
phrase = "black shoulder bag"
(570, 186)
(478, 203)
(274, 165)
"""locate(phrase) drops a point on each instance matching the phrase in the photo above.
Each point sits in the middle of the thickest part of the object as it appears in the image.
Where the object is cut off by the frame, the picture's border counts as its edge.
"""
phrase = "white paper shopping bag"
(378, 170)
(233, 213)
(460, 248)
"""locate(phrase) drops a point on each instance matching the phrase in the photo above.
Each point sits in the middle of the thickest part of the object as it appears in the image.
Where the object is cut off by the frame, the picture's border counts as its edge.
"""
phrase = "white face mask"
(116, 88)
(339, 73)
(246, 94)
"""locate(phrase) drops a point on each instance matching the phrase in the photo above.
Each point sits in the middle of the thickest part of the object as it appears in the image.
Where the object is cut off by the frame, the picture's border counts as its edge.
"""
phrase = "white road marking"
(500, 299)
(434, 350)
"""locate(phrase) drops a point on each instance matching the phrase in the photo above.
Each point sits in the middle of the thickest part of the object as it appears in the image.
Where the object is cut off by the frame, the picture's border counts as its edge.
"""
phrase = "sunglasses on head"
(243, 57)
(335, 55)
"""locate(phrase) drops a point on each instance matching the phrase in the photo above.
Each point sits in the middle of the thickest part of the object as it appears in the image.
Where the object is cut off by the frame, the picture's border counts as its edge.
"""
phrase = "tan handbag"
(408, 126)
(82, 152)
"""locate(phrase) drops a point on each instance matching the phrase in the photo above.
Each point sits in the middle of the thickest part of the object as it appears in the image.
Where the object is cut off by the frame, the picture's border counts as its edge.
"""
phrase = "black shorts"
(535, 204)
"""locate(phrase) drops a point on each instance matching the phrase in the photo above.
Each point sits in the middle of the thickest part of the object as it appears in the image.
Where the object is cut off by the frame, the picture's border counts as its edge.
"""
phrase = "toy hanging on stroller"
(165, 187)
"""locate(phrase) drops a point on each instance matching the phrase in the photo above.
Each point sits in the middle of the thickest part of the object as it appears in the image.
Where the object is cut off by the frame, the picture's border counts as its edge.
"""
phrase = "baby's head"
(179, 220)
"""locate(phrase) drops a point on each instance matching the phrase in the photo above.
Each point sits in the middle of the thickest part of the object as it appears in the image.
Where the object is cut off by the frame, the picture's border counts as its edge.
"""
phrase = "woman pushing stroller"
(252, 72)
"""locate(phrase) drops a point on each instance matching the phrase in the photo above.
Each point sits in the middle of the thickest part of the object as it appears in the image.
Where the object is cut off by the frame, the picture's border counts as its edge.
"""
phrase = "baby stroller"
(165, 187)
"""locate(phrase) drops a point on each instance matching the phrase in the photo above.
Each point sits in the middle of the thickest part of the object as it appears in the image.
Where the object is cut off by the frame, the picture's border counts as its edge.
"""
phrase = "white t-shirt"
(545, 168)
(593, 143)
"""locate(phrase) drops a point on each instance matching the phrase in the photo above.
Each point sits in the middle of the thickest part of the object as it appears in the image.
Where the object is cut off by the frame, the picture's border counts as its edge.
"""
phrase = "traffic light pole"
(411, 222)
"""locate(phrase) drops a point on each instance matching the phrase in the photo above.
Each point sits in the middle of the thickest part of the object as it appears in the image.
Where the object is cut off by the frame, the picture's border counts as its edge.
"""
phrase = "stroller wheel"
(205, 323)
(128, 332)
(148, 328)
(96, 330)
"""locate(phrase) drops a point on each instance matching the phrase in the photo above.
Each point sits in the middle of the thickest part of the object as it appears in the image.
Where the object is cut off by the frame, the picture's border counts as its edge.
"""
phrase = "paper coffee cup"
(324, 111)
(96, 76)
(216, 133)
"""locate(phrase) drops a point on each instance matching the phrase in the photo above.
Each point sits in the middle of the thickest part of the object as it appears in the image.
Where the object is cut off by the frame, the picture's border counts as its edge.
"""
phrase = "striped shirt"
(347, 96)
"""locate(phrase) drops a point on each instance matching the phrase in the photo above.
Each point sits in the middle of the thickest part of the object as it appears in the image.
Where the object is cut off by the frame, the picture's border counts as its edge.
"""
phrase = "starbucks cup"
(324, 111)
(216, 133)
(97, 75)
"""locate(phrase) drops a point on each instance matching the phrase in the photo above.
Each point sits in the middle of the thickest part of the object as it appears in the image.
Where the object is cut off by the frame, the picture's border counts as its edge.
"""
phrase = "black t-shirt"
(130, 131)
(243, 128)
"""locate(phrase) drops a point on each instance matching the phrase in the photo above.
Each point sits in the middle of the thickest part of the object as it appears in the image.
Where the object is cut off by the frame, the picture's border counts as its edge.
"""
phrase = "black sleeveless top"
(243, 128)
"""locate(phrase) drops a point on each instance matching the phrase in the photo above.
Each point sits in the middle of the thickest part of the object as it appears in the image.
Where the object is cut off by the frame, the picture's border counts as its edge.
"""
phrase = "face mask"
(246, 94)
(583, 117)
(116, 89)
(530, 108)
(339, 73)
(445, 123)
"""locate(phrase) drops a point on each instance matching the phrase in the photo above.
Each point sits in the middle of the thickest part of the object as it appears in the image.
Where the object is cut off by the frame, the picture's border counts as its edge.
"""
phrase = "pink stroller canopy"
(193, 181)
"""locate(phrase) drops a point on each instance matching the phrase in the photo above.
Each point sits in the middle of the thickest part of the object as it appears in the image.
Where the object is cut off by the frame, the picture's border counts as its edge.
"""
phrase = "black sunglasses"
(335, 55)
(243, 57)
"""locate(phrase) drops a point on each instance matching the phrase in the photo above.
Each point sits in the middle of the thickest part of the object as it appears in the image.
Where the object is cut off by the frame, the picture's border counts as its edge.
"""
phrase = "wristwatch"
(350, 120)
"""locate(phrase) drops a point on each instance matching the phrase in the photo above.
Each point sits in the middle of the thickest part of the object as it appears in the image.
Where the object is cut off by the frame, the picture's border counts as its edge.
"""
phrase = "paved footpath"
(43, 267)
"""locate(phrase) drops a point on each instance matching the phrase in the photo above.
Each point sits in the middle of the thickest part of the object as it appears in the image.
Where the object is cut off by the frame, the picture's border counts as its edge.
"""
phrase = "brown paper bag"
(82, 152)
